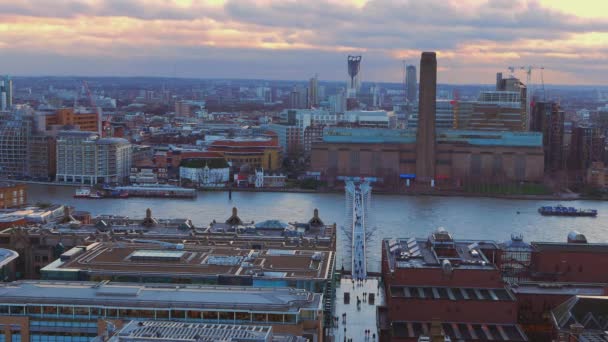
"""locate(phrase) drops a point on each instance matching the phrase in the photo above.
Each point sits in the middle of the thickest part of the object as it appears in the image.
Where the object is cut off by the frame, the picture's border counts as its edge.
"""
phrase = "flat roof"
(461, 331)
(196, 332)
(159, 296)
(570, 247)
(550, 288)
(432, 252)
(193, 261)
(408, 136)
(452, 293)
(6, 256)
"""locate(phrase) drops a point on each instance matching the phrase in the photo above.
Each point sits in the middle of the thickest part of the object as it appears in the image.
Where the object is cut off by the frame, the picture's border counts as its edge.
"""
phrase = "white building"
(269, 180)
(82, 157)
(370, 118)
(305, 117)
(205, 172)
(337, 103)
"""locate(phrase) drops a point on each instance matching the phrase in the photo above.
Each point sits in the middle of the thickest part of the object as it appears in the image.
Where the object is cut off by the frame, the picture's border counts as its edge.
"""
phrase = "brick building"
(450, 281)
(461, 156)
(86, 120)
(12, 195)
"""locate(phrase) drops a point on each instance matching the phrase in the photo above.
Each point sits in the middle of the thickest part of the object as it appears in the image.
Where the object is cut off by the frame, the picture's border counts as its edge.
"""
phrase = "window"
(162, 314)
(290, 319)
(210, 316)
(177, 314)
(33, 310)
(193, 314)
(66, 311)
(111, 313)
(259, 317)
(226, 316)
(243, 316)
(17, 310)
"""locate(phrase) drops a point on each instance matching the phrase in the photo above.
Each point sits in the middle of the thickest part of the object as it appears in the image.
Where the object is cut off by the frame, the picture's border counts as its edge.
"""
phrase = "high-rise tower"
(411, 83)
(354, 68)
(6, 93)
(313, 92)
(425, 137)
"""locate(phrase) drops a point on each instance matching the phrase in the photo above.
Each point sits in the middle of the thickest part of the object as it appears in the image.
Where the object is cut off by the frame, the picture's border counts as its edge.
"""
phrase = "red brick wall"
(579, 267)
(445, 310)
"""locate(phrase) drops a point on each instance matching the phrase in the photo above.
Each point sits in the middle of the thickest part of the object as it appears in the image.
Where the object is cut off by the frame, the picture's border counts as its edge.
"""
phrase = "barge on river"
(560, 210)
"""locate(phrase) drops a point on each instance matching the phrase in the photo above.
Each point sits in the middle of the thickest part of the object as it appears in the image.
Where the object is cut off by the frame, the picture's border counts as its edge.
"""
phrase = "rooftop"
(567, 289)
(113, 141)
(451, 293)
(408, 136)
(245, 142)
(158, 296)
(459, 331)
(588, 311)
(191, 261)
(165, 331)
(439, 250)
(9, 185)
(6, 256)
(570, 247)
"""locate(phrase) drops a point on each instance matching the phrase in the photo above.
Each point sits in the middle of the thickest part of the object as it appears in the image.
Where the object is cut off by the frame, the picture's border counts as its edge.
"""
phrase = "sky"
(294, 40)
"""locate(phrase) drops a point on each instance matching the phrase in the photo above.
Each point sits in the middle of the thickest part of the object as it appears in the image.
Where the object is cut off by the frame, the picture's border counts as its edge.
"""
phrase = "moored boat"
(560, 210)
(87, 193)
(82, 193)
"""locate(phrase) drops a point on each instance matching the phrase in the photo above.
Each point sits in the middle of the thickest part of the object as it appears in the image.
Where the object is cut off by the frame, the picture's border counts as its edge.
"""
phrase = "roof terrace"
(158, 296)
(438, 250)
(155, 259)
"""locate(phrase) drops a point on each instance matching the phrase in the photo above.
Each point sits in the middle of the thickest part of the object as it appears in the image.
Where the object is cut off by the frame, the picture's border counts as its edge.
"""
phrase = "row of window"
(15, 337)
(58, 338)
(195, 315)
(72, 324)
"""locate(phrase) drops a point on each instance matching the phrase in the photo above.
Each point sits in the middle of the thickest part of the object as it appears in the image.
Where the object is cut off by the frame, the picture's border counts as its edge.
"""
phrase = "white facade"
(84, 158)
(205, 176)
(259, 178)
(337, 103)
(267, 180)
(370, 118)
(304, 117)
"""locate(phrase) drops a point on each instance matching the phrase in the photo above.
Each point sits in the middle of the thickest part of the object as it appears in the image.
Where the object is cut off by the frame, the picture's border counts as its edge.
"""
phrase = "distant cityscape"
(70, 274)
(510, 138)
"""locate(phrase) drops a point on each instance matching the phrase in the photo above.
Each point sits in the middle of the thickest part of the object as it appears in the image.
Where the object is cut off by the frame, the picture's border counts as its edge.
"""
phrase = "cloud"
(297, 37)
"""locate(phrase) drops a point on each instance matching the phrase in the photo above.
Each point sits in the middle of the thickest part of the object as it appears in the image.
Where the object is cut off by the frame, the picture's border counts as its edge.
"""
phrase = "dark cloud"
(379, 29)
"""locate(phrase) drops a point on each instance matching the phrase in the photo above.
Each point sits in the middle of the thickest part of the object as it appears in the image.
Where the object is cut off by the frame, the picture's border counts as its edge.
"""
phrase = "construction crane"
(528, 70)
(84, 88)
(90, 96)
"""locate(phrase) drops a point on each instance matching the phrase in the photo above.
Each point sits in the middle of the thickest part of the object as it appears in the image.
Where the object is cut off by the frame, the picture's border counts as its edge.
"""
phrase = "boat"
(95, 195)
(119, 194)
(82, 193)
(87, 193)
(561, 210)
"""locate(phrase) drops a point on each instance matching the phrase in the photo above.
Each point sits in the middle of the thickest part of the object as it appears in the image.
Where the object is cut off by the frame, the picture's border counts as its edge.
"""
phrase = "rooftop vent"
(576, 237)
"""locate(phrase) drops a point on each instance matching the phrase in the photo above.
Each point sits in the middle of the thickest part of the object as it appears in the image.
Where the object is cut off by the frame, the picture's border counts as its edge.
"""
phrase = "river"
(391, 215)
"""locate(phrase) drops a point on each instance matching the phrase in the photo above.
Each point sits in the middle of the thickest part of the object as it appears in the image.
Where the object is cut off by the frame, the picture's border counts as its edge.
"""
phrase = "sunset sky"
(292, 39)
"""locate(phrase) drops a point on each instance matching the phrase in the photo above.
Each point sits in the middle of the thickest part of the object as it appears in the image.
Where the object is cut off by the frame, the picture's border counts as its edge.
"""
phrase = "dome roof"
(516, 242)
(272, 224)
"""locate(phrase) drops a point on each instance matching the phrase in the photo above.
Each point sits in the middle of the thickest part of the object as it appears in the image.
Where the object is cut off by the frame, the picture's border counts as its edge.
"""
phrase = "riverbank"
(439, 193)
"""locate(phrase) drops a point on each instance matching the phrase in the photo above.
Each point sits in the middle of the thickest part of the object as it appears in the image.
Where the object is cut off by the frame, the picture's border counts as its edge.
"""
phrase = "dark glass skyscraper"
(411, 83)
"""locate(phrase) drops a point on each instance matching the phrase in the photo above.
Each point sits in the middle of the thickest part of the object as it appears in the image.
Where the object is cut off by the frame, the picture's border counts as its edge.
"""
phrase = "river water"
(391, 215)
